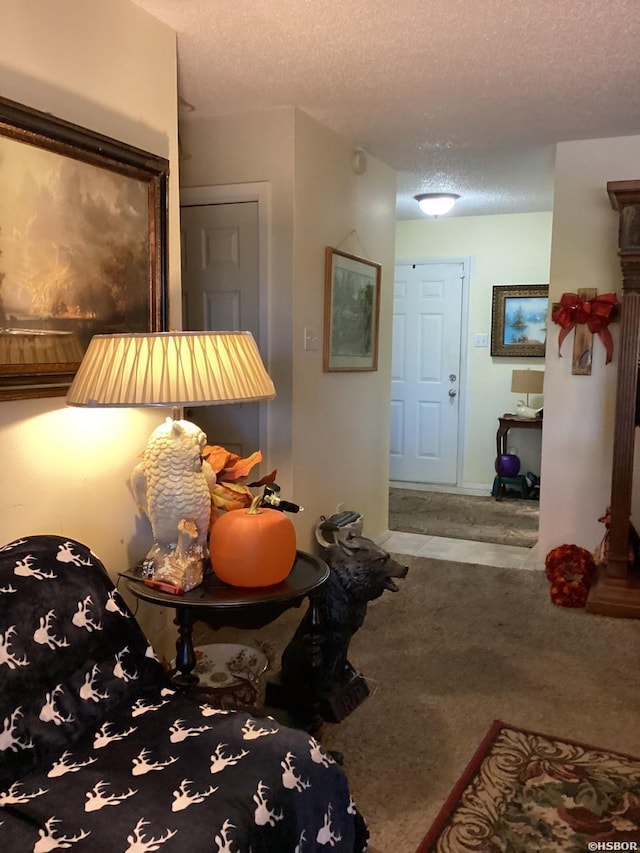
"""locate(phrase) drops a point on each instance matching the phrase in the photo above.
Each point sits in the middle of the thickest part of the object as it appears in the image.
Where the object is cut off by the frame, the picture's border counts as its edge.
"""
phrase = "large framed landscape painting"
(351, 312)
(82, 246)
(519, 320)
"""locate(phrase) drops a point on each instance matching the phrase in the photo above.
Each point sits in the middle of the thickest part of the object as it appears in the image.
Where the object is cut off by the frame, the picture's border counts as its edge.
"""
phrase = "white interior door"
(220, 286)
(425, 372)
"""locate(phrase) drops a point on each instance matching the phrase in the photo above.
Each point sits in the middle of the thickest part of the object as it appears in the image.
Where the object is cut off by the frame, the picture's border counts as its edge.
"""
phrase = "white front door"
(425, 372)
(220, 286)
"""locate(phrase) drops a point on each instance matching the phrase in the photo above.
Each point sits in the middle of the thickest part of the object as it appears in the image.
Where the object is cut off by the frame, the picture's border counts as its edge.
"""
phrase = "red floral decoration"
(571, 571)
(597, 313)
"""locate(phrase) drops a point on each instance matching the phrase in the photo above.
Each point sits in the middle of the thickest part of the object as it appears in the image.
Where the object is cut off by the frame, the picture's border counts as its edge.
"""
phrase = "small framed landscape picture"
(519, 320)
(351, 312)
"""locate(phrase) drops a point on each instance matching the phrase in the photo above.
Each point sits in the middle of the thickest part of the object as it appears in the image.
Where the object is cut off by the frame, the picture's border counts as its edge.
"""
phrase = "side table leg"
(183, 675)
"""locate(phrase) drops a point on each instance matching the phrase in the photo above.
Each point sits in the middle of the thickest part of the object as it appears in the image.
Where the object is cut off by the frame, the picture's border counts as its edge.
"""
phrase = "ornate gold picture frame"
(82, 246)
(519, 320)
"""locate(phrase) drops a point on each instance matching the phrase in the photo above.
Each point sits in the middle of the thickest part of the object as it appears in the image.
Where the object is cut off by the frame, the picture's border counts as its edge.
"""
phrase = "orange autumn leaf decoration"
(238, 469)
(266, 480)
(216, 456)
(229, 466)
(226, 496)
(232, 471)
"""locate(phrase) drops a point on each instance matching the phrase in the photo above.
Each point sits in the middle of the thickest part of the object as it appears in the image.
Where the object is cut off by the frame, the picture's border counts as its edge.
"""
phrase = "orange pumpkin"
(252, 547)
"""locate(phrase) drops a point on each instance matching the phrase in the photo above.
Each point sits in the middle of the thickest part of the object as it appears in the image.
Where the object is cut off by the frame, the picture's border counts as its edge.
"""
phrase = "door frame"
(260, 192)
(464, 352)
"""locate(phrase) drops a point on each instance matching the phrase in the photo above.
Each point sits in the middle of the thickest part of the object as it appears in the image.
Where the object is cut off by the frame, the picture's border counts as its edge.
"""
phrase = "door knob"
(452, 392)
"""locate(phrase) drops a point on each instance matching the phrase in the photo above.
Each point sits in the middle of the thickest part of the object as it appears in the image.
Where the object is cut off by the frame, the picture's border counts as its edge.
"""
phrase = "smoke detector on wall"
(359, 161)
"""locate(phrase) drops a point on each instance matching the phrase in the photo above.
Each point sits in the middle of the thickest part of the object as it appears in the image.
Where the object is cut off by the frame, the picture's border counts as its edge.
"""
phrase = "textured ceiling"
(465, 96)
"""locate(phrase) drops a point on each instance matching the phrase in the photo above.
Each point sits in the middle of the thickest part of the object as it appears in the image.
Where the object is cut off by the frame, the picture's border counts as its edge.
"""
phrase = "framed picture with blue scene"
(519, 320)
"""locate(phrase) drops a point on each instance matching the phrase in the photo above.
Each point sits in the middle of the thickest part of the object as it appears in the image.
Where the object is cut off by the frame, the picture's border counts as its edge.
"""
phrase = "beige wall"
(505, 249)
(110, 67)
(326, 451)
(340, 420)
(245, 149)
(579, 410)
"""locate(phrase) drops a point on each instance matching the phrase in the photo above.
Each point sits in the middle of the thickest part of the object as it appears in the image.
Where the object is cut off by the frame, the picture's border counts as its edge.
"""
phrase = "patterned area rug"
(512, 521)
(524, 791)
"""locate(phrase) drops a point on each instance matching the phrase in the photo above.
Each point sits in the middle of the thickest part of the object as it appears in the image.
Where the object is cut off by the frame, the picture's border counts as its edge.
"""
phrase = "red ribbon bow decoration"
(597, 313)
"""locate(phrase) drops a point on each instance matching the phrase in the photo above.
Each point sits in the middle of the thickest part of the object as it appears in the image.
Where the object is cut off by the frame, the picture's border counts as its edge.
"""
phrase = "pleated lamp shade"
(171, 369)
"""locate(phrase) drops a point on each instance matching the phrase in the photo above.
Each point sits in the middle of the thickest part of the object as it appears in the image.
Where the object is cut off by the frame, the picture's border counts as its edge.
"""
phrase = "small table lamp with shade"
(171, 483)
(527, 382)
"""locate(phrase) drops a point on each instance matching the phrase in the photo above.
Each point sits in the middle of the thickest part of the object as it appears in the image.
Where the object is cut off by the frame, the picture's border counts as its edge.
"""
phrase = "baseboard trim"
(382, 538)
(477, 489)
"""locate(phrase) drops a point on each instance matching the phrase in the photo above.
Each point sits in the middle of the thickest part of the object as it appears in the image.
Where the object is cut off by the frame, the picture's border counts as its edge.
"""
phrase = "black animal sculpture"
(360, 572)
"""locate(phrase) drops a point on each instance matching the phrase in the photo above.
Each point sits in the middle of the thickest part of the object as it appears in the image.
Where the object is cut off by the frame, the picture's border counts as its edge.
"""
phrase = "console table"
(221, 605)
(505, 423)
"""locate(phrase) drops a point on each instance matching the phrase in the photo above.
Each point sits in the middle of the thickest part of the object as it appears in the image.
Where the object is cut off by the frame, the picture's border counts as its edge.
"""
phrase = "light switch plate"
(481, 339)
(311, 339)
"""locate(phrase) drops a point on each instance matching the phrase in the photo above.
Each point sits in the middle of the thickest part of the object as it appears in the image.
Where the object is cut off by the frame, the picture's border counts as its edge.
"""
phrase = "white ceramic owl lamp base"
(172, 488)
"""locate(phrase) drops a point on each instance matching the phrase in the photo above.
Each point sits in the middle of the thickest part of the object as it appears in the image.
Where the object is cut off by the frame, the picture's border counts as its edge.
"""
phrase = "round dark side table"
(220, 605)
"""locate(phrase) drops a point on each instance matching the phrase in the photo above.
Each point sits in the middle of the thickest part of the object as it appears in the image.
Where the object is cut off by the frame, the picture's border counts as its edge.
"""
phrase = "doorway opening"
(429, 387)
(428, 371)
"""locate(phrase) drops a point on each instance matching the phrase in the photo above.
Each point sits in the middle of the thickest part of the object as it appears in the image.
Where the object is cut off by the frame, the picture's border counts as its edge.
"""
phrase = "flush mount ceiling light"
(436, 204)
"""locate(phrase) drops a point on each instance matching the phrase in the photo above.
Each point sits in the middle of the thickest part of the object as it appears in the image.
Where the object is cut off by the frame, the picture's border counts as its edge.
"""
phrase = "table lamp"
(527, 382)
(171, 484)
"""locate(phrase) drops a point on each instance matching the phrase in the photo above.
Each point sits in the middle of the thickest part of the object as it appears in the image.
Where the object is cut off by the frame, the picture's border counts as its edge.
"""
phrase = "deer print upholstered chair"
(99, 752)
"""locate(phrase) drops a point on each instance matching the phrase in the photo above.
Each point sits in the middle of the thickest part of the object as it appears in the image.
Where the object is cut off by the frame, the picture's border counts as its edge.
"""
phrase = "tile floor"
(463, 551)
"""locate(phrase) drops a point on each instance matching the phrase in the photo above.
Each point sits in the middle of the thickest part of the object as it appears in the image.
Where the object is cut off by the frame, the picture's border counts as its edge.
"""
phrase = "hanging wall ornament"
(576, 310)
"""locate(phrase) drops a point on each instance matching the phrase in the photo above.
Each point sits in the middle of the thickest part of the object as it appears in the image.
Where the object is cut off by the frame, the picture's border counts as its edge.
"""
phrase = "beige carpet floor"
(457, 647)
(511, 521)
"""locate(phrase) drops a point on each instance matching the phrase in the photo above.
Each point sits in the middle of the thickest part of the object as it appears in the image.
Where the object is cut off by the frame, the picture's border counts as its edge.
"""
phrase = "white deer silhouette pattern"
(173, 759)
